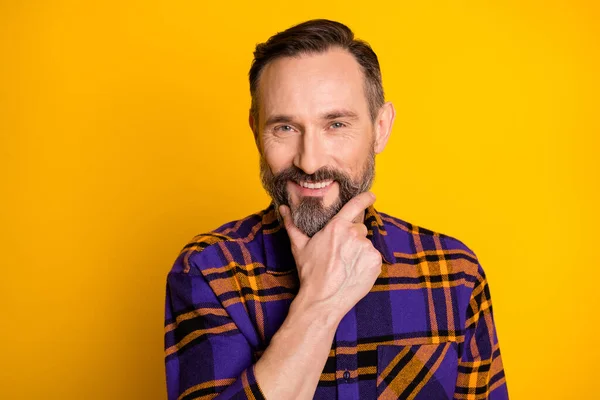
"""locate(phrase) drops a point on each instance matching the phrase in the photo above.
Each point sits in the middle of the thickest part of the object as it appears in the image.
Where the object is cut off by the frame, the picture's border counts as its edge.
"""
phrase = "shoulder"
(416, 244)
(220, 246)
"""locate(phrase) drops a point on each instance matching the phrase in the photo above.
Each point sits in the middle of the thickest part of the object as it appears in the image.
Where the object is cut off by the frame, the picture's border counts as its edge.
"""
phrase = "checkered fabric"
(424, 331)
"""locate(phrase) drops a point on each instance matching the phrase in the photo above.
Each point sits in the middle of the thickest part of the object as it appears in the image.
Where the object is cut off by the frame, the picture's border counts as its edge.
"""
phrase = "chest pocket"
(424, 371)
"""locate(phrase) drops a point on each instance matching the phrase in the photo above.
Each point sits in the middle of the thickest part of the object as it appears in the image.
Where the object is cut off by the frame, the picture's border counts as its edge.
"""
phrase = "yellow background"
(124, 133)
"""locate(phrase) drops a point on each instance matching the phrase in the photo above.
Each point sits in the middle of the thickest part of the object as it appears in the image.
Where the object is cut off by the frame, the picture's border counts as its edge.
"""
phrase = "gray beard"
(310, 215)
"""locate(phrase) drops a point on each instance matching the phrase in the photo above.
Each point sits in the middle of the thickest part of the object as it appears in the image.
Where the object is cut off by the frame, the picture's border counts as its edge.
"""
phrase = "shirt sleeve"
(206, 354)
(480, 369)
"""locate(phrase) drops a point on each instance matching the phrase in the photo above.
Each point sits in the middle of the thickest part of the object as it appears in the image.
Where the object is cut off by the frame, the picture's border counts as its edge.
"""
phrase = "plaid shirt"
(424, 331)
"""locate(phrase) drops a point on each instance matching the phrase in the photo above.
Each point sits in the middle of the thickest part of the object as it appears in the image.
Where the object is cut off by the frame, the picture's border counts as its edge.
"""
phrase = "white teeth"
(317, 185)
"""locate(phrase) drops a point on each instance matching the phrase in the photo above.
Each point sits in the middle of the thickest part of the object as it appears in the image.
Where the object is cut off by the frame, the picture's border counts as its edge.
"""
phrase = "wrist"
(324, 313)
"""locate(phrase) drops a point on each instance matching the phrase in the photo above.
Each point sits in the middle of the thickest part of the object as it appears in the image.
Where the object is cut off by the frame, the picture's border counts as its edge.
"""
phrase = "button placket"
(346, 357)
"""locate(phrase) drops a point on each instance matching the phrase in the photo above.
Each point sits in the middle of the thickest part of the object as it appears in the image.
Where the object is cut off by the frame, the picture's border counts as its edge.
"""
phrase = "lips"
(312, 188)
(315, 185)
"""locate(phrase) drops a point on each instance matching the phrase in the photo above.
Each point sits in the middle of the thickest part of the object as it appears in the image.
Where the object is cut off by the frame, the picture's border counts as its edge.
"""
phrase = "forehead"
(309, 84)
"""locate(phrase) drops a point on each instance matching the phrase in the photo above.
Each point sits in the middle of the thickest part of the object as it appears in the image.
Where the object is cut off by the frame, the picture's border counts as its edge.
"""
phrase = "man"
(320, 295)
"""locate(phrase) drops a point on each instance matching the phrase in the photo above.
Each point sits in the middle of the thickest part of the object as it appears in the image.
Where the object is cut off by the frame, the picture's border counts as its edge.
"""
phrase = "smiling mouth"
(314, 185)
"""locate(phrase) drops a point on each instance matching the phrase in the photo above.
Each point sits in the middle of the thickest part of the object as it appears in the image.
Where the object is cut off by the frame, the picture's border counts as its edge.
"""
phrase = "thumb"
(297, 238)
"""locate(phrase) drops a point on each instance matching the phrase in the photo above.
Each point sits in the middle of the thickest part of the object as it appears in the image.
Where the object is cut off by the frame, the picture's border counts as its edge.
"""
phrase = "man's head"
(318, 117)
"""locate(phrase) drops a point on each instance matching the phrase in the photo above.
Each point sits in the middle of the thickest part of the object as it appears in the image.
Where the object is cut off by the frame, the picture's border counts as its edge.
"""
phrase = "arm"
(480, 369)
(205, 352)
(208, 355)
(208, 347)
(291, 366)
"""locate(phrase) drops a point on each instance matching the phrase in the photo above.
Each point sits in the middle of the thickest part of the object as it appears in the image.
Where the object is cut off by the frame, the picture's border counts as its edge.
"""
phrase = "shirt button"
(346, 375)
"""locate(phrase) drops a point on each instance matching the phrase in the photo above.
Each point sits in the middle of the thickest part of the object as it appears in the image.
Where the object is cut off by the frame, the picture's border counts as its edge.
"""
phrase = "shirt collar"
(277, 247)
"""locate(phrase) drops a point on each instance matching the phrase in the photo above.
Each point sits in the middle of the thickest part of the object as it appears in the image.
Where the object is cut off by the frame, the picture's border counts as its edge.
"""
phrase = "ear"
(254, 129)
(383, 126)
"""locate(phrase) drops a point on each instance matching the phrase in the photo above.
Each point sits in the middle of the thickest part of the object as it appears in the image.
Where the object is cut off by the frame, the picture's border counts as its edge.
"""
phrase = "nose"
(311, 155)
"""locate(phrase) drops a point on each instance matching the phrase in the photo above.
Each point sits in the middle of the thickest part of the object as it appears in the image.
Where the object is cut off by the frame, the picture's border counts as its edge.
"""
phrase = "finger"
(361, 229)
(358, 230)
(355, 206)
(297, 238)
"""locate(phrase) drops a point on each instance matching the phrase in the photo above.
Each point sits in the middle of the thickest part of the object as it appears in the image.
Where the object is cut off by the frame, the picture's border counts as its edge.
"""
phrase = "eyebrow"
(334, 114)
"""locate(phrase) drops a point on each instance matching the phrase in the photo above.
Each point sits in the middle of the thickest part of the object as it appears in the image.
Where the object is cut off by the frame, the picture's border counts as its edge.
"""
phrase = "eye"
(338, 125)
(283, 128)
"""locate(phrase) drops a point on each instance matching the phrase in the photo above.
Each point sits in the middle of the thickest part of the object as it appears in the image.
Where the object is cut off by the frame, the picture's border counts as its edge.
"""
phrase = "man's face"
(315, 135)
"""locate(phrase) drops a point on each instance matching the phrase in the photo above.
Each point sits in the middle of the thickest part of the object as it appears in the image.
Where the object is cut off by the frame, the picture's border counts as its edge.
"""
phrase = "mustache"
(295, 174)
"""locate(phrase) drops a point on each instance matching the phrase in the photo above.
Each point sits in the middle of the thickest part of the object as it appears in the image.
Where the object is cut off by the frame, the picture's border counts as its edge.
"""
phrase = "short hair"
(313, 37)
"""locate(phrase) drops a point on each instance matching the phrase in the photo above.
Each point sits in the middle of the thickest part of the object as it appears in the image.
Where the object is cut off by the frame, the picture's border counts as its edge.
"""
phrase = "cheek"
(352, 156)
(278, 155)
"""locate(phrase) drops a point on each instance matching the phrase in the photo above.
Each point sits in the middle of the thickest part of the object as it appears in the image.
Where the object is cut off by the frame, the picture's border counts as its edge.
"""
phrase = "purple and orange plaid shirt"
(424, 331)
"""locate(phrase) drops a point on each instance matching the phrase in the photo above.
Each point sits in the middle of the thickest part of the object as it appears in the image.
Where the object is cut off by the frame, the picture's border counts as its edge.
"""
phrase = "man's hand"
(337, 266)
